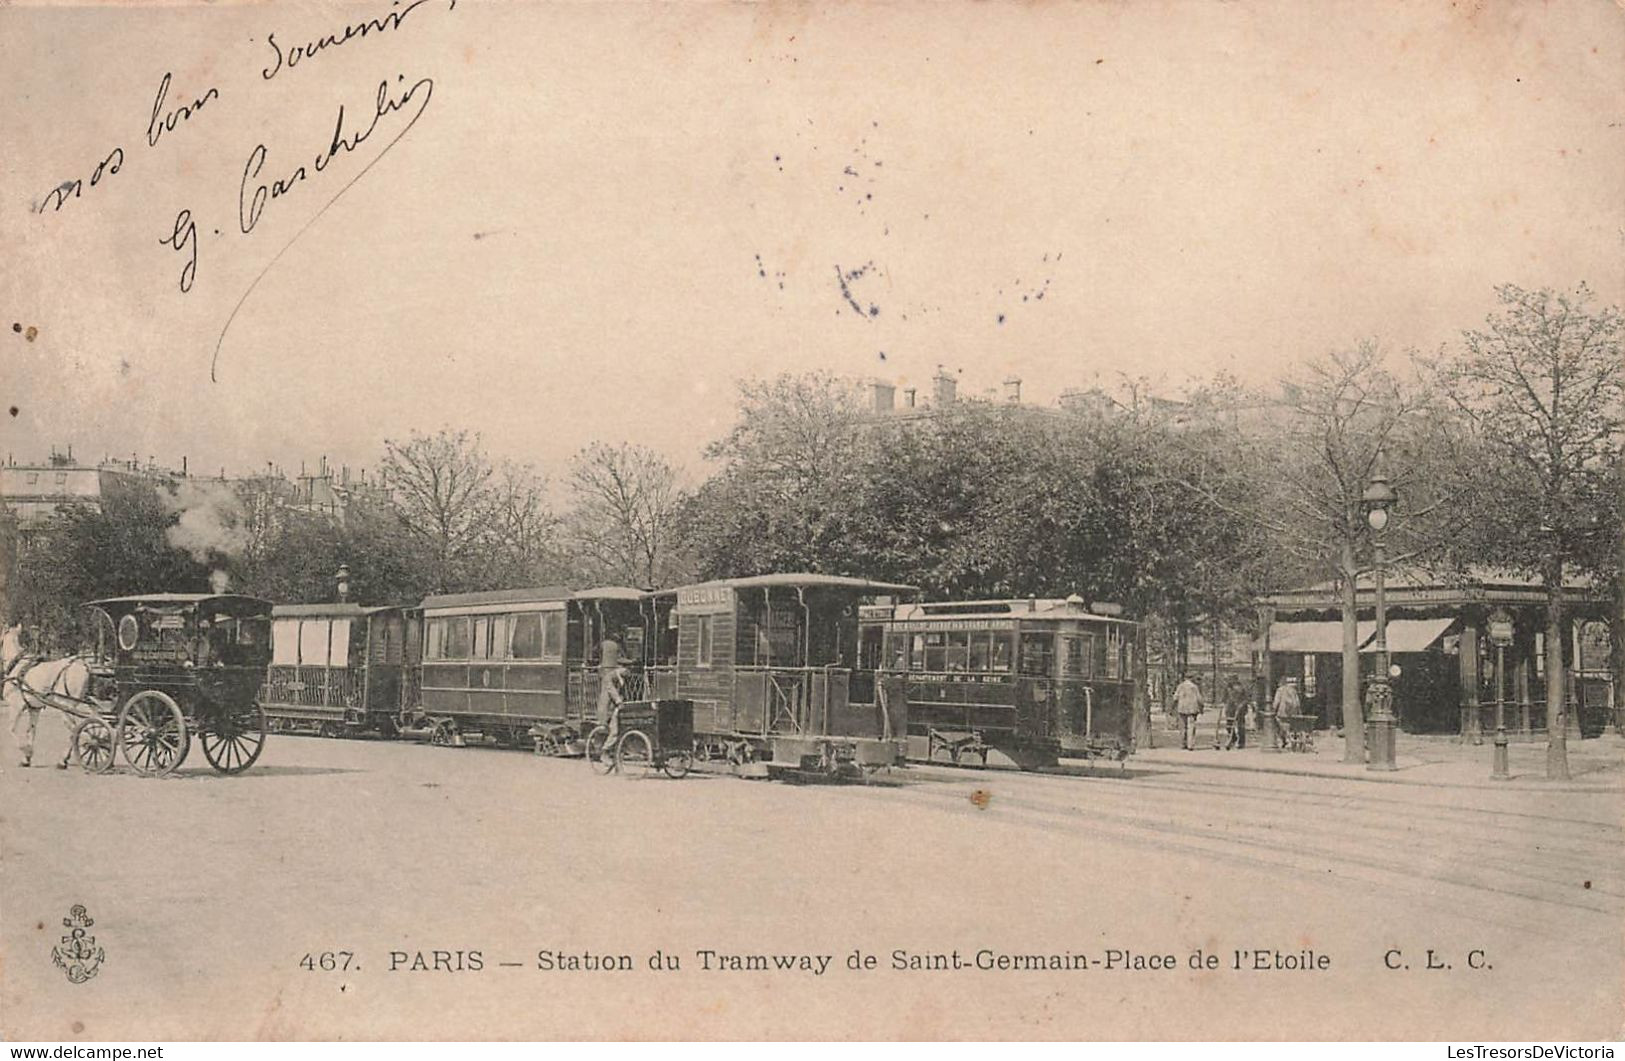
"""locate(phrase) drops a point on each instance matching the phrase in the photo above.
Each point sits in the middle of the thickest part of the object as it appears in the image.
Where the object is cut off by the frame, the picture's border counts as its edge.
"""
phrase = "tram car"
(1011, 682)
(183, 665)
(341, 669)
(771, 665)
(523, 667)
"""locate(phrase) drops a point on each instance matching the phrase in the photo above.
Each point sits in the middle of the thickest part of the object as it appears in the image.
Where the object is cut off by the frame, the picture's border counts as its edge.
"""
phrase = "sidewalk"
(1596, 765)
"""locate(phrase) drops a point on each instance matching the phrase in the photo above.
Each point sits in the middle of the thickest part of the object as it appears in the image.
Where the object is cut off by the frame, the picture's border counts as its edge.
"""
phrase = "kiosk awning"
(1306, 637)
(1408, 635)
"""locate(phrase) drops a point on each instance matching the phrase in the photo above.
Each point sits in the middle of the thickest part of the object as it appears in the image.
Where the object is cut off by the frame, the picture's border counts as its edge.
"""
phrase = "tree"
(1543, 387)
(623, 518)
(1305, 466)
(119, 547)
(788, 470)
(478, 525)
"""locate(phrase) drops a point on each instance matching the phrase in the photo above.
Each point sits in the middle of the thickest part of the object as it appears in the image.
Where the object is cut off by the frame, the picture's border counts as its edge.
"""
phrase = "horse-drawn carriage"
(181, 664)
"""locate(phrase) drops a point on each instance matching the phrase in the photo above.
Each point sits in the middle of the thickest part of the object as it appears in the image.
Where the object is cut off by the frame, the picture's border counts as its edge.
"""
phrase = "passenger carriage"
(1023, 682)
(341, 669)
(772, 665)
(523, 667)
(183, 664)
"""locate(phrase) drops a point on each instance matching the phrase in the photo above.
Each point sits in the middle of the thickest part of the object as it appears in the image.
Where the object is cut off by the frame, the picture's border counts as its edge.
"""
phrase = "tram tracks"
(1301, 846)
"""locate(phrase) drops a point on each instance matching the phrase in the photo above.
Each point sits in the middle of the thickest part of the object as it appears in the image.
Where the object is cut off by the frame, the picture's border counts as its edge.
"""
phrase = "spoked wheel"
(152, 733)
(93, 745)
(232, 740)
(599, 757)
(677, 765)
(634, 754)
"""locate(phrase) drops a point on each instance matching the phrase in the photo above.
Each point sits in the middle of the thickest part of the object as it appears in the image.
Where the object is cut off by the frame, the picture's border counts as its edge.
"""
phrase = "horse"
(38, 684)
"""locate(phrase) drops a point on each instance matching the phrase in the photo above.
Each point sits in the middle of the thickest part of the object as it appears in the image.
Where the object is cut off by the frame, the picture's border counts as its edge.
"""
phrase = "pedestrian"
(1235, 714)
(1286, 705)
(1188, 705)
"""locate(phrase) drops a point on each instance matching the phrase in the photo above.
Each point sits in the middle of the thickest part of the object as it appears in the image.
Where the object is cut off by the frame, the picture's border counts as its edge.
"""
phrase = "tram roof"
(229, 601)
(334, 610)
(611, 593)
(498, 596)
(809, 580)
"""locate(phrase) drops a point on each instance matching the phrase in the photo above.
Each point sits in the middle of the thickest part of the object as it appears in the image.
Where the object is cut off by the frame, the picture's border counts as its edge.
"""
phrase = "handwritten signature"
(250, 205)
(407, 100)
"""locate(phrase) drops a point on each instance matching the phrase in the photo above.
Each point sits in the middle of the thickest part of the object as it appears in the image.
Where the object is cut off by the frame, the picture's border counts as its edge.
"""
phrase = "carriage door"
(1035, 691)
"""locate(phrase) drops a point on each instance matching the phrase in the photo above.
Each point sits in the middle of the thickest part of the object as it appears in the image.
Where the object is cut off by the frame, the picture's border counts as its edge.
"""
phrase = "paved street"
(225, 884)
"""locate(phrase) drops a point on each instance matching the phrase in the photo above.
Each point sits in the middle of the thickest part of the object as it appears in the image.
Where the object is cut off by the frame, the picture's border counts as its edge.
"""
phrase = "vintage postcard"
(919, 520)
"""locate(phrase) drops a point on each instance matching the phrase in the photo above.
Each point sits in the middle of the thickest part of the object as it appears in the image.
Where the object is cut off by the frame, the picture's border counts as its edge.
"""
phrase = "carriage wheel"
(599, 757)
(93, 745)
(152, 733)
(677, 765)
(232, 740)
(634, 754)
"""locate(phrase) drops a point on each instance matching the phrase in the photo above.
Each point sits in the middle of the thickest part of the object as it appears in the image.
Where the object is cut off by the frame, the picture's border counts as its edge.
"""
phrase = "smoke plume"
(210, 524)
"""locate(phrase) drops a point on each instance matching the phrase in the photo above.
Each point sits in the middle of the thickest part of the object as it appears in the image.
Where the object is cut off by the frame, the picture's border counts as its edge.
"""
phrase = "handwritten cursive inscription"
(74, 188)
(156, 127)
(354, 31)
(184, 237)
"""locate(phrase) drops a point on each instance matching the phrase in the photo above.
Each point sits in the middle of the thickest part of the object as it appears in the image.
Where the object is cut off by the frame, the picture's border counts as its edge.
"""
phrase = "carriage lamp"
(343, 576)
(1377, 499)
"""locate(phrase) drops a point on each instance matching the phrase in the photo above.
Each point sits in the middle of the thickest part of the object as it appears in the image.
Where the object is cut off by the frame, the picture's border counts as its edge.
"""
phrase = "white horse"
(34, 684)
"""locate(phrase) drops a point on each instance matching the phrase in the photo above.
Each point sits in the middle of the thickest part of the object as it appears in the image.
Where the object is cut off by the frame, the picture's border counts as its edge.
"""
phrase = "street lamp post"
(1501, 635)
(1378, 498)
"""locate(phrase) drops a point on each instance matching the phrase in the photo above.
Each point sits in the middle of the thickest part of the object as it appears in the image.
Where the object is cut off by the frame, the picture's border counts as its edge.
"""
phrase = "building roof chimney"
(1012, 390)
(944, 388)
(882, 395)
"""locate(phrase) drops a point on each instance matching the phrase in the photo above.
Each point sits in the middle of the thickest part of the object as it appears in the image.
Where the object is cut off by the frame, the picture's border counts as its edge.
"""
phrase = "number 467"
(329, 961)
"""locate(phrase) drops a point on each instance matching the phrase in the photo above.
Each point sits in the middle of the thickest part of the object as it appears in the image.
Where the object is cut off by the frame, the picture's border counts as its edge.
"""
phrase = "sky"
(588, 220)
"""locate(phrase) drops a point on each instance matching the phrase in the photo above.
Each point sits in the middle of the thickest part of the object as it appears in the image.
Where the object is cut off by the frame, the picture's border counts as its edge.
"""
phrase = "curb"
(1515, 784)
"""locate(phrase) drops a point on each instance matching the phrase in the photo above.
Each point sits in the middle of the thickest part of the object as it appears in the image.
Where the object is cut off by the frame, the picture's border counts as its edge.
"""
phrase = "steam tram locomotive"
(1011, 682)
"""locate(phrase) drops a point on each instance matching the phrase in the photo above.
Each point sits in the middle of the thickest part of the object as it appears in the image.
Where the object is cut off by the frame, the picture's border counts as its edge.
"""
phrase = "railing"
(313, 686)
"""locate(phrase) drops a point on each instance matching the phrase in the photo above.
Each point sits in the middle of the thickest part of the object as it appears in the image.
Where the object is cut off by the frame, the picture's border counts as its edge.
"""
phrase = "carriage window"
(896, 652)
(916, 653)
(936, 651)
(527, 636)
(553, 635)
(457, 638)
(313, 642)
(981, 652)
(499, 636)
(285, 643)
(338, 654)
(1080, 656)
(1114, 653)
(436, 639)
(703, 639)
(957, 655)
(1001, 653)
(482, 638)
(1038, 654)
